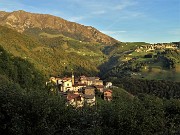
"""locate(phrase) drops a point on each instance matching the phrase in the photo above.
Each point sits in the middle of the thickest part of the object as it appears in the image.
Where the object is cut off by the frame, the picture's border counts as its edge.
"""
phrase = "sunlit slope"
(55, 54)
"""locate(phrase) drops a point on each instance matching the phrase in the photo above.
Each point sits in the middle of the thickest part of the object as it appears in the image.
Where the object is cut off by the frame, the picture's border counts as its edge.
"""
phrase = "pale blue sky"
(126, 20)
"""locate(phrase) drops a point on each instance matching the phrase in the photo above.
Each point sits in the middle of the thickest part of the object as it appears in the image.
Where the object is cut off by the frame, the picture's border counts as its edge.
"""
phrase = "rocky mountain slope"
(24, 21)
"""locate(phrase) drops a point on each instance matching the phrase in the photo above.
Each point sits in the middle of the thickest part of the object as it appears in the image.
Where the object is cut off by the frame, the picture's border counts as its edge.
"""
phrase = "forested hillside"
(127, 60)
(20, 71)
(53, 55)
(160, 88)
(27, 111)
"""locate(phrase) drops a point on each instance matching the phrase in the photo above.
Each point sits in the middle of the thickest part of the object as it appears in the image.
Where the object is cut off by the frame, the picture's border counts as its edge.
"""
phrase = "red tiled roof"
(72, 96)
(58, 78)
(99, 81)
(89, 87)
(67, 78)
(108, 96)
(88, 96)
(83, 77)
(81, 84)
(97, 77)
(99, 86)
(107, 90)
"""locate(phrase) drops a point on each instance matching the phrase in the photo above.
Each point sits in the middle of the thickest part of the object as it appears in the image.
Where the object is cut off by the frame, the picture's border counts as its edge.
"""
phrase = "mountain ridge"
(21, 21)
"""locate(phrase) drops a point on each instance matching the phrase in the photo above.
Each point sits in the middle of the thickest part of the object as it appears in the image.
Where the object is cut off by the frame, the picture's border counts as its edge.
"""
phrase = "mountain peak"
(22, 21)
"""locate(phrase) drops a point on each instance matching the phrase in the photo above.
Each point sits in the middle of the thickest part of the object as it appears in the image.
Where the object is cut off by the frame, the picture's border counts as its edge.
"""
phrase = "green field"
(156, 72)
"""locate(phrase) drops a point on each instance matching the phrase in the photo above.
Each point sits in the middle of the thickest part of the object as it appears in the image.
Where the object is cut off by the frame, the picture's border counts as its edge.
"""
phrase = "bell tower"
(72, 78)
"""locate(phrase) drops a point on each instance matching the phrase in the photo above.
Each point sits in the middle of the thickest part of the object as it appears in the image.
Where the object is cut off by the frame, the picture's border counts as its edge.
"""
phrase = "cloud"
(76, 18)
(14, 6)
(93, 8)
(125, 4)
(113, 32)
(10, 6)
(4, 9)
(175, 32)
(132, 15)
(99, 12)
(17, 5)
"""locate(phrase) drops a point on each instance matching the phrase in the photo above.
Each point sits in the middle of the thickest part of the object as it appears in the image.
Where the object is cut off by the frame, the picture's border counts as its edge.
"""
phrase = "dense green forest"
(26, 108)
(20, 71)
(161, 88)
(39, 113)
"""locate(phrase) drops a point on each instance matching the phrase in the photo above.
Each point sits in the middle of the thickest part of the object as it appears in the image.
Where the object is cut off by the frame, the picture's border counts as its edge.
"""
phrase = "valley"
(54, 51)
(60, 77)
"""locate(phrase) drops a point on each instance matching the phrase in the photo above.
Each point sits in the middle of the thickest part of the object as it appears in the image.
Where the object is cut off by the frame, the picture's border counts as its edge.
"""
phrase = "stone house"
(78, 87)
(66, 85)
(108, 84)
(100, 88)
(75, 100)
(89, 90)
(90, 80)
(98, 82)
(89, 100)
(107, 94)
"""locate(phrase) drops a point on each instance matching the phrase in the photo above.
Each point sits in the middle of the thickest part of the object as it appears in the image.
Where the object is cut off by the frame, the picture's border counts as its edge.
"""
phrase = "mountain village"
(80, 91)
(158, 46)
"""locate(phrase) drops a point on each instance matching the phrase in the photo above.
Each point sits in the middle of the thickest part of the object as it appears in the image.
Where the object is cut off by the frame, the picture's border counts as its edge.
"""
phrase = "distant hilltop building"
(177, 43)
(158, 46)
(108, 84)
(80, 91)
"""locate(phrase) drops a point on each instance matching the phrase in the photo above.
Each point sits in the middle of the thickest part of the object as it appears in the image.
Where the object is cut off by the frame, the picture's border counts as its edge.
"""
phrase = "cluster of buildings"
(158, 46)
(81, 91)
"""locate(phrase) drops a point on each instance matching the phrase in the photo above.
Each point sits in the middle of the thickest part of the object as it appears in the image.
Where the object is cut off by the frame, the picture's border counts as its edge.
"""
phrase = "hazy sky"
(126, 20)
